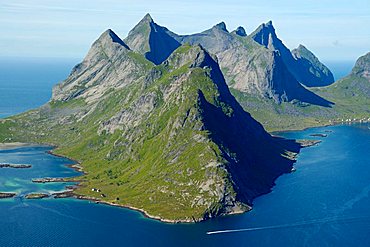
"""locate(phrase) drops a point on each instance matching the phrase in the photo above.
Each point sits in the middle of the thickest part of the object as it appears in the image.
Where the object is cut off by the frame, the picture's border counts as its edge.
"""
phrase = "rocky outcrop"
(36, 196)
(4, 195)
(16, 166)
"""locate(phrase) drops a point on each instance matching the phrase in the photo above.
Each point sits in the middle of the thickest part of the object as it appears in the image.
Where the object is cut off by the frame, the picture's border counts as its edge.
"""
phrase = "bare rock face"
(109, 63)
(152, 40)
(302, 63)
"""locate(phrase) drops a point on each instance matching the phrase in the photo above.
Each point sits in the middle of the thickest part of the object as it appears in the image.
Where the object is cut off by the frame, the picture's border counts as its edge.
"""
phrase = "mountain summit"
(152, 40)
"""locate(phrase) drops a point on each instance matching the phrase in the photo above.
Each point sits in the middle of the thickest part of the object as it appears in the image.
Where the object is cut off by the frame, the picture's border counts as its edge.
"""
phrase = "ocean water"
(324, 203)
(340, 69)
(26, 83)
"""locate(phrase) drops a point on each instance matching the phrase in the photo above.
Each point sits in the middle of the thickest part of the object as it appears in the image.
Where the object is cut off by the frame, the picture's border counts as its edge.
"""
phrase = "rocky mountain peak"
(151, 40)
(240, 31)
(221, 26)
(147, 18)
(308, 69)
(265, 35)
(110, 36)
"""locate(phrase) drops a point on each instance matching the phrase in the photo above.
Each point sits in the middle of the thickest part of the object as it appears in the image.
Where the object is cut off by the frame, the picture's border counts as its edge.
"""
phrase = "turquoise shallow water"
(324, 203)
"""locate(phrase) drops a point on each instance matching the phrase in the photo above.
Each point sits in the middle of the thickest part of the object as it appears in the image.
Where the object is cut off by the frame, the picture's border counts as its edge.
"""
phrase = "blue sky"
(333, 30)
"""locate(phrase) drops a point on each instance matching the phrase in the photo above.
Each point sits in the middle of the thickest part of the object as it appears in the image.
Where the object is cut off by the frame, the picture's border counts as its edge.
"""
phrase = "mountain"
(152, 40)
(302, 63)
(350, 94)
(353, 89)
(251, 68)
(169, 139)
(109, 63)
(362, 67)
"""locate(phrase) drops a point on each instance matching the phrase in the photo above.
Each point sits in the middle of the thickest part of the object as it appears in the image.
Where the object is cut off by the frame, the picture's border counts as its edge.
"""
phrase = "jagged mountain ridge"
(170, 140)
(302, 63)
(247, 66)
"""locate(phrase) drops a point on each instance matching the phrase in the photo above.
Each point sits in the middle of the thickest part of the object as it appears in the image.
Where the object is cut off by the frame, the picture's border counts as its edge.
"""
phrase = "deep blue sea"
(324, 203)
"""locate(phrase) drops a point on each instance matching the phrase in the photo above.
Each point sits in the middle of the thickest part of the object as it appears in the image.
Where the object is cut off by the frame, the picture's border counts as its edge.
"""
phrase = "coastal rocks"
(319, 135)
(4, 195)
(308, 143)
(64, 194)
(36, 196)
(54, 180)
(50, 180)
(16, 166)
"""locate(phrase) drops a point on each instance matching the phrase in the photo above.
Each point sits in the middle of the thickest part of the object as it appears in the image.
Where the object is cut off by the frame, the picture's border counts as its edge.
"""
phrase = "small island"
(319, 135)
(36, 196)
(4, 195)
(308, 143)
(16, 166)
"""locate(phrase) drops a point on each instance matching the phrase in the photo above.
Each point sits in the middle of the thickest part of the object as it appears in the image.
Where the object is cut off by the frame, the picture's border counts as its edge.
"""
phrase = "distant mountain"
(350, 94)
(152, 40)
(302, 63)
(169, 140)
(362, 67)
(353, 89)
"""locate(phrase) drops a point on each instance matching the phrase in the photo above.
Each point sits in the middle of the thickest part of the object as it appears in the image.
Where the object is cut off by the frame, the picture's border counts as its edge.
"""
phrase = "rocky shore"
(54, 180)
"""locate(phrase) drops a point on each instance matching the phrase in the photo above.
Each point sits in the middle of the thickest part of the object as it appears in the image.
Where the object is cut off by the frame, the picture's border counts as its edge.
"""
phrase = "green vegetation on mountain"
(168, 139)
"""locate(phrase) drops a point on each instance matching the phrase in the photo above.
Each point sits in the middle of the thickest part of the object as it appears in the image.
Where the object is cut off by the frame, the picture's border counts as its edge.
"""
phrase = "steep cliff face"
(311, 69)
(168, 139)
(152, 40)
(302, 63)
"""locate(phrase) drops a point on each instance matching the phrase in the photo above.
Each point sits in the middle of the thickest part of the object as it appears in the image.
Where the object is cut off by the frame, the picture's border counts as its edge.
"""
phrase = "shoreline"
(77, 167)
(276, 132)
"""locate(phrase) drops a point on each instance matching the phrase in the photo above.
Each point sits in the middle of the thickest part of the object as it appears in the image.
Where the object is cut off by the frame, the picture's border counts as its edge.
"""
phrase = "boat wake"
(297, 224)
